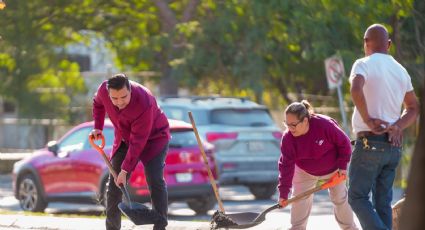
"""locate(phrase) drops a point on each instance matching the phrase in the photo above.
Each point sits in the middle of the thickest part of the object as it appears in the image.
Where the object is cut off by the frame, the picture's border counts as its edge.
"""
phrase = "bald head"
(376, 39)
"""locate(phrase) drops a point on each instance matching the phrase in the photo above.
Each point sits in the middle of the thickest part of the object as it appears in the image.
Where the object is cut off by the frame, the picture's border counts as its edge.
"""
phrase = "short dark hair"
(118, 81)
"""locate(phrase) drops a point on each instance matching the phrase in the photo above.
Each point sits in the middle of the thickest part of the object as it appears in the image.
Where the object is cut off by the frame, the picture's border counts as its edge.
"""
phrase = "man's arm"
(377, 126)
(410, 112)
(98, 116)
(99, 111)
(408, 117)
(286, 166)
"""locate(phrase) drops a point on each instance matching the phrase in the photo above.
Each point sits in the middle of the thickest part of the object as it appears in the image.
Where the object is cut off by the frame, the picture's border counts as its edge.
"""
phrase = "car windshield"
(74, 141)
(241, 117)
(109, 137)
(182, 138)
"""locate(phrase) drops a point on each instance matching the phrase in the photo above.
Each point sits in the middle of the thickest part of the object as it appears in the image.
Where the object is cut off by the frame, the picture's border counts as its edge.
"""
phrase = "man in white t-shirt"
(380, 86)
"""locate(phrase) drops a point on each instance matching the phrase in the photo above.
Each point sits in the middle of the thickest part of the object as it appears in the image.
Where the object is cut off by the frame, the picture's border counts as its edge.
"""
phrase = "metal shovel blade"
(242, 220)
(250, 219)
(140, 214)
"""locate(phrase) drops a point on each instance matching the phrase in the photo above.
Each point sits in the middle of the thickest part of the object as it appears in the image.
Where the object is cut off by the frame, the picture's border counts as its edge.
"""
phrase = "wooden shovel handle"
(204, 156)
(331, 182)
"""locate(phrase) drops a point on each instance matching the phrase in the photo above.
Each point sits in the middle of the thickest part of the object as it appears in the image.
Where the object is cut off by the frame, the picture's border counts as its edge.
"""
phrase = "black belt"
(362, 134)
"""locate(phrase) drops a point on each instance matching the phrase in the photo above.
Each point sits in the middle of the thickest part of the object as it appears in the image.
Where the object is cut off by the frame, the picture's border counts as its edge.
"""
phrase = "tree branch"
(169, 20)
(189, 11)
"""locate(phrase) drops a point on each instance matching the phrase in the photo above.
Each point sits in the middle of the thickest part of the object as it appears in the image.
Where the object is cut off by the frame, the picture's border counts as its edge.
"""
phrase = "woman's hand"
(283, 202)
(342, 172)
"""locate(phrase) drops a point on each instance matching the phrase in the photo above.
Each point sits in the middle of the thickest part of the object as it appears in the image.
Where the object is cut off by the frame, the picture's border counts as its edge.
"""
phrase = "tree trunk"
(395, 24)
(282, 89)
(413, 210)
(168, 84)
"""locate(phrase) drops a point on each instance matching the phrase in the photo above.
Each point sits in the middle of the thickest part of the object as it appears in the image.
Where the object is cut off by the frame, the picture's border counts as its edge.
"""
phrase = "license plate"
(255, 146)
(183, 177)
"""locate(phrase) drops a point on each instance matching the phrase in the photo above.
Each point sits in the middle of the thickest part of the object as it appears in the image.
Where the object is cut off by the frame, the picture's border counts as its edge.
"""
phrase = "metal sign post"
(334, 73)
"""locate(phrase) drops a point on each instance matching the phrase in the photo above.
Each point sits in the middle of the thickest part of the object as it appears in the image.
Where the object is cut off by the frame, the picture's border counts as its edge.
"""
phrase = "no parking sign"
(334, 71)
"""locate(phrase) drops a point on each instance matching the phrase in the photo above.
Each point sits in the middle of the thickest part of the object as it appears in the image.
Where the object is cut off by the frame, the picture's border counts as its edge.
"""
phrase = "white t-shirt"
(386, 83)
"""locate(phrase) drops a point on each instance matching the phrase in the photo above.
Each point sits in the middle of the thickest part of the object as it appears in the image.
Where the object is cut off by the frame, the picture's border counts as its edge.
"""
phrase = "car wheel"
(263, 191)
(30, 198)
(202, 205)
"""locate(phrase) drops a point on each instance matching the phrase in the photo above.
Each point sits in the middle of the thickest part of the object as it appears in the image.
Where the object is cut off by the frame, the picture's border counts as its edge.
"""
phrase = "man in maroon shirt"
(141, 133)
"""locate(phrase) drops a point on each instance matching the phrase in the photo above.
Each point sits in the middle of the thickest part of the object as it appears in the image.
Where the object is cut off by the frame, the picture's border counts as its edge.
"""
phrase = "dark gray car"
(245, 137)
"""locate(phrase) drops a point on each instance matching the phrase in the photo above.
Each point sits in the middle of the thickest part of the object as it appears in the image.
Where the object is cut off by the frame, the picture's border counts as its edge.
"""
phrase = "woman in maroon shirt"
(313, 148)
(141, 133)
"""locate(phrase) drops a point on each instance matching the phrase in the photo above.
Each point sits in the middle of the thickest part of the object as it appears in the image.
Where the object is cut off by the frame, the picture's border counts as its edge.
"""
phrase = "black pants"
(154, 171)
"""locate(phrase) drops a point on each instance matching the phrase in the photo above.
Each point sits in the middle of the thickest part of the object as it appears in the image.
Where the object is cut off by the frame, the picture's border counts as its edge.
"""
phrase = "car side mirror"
(53, 147)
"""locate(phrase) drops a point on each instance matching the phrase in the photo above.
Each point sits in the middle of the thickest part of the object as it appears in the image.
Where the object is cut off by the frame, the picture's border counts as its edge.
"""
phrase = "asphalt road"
(235, 199)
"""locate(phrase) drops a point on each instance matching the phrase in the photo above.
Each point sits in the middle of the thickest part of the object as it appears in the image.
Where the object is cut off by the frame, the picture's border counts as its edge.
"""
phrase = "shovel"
(138, 213)
(249, 219)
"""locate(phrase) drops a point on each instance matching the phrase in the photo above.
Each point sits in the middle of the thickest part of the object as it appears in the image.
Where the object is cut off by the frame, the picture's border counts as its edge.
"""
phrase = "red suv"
(70, 170)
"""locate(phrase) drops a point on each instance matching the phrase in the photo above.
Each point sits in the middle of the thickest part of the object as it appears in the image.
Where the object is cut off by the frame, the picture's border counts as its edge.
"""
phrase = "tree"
(413, 208)
(277, 45)
(236, 47)
(146, 35)
(412, 53)
(33, 67)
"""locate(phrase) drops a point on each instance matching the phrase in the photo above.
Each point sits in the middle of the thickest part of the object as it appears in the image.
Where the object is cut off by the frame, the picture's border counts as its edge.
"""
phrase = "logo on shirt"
(320, 142)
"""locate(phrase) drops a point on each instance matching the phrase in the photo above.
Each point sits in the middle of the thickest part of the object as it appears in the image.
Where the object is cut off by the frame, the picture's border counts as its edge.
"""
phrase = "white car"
(246, 139)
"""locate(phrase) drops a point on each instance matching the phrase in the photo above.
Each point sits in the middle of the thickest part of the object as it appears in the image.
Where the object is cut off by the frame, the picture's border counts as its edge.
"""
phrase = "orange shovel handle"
(99, 148)
(334, 180)
(331, 182)
(94, 145)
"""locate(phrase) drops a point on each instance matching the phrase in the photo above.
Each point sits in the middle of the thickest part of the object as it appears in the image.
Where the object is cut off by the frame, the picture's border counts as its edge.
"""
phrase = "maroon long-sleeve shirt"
(322, 150)
(141, 124)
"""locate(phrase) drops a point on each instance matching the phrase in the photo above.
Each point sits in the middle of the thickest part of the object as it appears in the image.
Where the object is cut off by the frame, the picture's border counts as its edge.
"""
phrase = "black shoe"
(160, 224)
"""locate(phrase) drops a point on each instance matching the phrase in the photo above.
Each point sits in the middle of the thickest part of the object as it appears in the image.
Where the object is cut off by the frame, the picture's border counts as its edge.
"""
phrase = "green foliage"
(279, 45)
(33, 35)
(261, 49)
(54, 86)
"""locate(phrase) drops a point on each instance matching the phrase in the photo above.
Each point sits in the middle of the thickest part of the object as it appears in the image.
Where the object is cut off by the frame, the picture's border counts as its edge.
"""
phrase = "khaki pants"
(300, 210)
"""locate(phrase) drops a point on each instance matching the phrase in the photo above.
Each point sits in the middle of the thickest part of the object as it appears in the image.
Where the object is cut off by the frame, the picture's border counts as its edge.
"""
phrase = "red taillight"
(211, 137)
(277, 135)
(229, 166)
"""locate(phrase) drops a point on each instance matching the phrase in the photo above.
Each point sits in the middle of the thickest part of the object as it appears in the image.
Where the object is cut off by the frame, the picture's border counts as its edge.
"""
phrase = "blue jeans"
(373, 170)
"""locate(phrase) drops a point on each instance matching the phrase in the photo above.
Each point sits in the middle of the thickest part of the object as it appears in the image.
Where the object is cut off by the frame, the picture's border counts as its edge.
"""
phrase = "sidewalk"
(274, 221)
